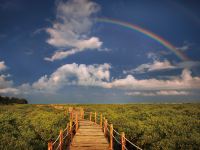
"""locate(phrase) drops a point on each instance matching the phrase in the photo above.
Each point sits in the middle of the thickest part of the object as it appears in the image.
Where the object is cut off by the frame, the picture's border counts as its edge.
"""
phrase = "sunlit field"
(150, 126)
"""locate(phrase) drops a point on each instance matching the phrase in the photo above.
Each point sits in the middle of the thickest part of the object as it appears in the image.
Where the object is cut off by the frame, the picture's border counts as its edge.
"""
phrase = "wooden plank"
(94, 134)
(90, 148)
(89, 137)
(97, 141)
(90, 145)
(88, 127)
(89, 130)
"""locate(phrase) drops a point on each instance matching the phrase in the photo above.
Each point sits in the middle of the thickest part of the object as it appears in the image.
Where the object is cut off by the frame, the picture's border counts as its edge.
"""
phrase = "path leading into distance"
(89, 137)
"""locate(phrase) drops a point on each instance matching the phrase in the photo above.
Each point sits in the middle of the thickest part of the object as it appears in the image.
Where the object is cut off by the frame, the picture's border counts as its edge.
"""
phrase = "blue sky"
(56, 51)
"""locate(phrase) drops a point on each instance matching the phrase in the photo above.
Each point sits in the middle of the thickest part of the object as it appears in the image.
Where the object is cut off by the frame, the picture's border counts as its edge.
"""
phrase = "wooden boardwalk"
(89, 137)
(89, 131)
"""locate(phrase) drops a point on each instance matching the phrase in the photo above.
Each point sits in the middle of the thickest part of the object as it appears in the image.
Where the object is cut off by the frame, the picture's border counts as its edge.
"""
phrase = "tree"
(12, 100)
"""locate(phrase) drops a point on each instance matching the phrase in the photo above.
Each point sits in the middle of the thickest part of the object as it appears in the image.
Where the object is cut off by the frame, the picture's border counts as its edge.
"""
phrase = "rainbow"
(159, 39)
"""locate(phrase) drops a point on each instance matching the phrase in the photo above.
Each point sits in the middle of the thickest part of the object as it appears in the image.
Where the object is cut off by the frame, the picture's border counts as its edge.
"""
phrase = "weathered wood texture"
(89, 137)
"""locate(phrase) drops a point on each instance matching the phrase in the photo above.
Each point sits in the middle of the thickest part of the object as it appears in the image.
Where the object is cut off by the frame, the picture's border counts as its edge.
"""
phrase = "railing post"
(95, 117)
(70, 125)
(76, 122)
(101, 120)
(123, 141)
(83, 114)
(70, 128)
(70, 112)
(105, 127)
(50, 145)
(72, 115)
(111, 137)
(65, 113)
(67, 131)
(61, 139)
(103, 123)
(90, 116)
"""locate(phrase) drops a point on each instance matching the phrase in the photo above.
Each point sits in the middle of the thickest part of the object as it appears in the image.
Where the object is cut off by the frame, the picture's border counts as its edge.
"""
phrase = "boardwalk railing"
(64, 138)
(115, 138)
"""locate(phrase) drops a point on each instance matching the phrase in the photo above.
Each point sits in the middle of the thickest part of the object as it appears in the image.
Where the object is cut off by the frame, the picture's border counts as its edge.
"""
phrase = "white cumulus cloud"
(74, 74)
(9, 91)
(172, 92)
(162, 65)
(4, 82)
(185, 81)
(158, 93)
(2, 66)
(155, 66)
(6, 86)
(71, 29)
(99, 75)
(139, 93)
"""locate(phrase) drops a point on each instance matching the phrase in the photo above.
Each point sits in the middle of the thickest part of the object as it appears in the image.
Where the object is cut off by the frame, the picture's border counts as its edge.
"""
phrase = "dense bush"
(155, 126)
(150, 126)
(28, 127)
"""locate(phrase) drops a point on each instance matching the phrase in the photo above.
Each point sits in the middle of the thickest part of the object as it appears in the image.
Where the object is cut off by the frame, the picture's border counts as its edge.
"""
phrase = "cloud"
(183, 48)
(38, 31)
(92, 43)
(162, 65)
(158, 93)
(104, 49)
(74, 74)
(6, 86)
(172, 92)
(4, 83)
(152, 55)
(9, 91)
(156, 55)
(185, 81)
(188, 64)
(186, 46)
(72, 27)
(62, 54)
(140, 93)
(99, 75)
(155, 66)
(2, 66)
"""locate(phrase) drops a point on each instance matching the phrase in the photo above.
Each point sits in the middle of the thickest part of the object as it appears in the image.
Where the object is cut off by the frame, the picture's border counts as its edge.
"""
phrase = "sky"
(100, 51)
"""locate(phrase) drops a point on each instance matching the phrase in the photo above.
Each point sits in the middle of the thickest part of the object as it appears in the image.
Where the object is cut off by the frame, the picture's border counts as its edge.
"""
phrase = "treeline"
(12, 100)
